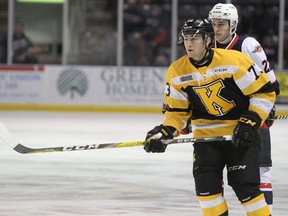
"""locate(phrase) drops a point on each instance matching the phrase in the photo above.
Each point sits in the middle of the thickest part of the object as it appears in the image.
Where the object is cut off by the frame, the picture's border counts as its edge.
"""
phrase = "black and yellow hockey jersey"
(216, 94)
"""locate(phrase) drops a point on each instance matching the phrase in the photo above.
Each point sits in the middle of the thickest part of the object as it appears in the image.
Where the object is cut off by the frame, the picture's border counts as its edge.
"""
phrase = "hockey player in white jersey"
(224, 19)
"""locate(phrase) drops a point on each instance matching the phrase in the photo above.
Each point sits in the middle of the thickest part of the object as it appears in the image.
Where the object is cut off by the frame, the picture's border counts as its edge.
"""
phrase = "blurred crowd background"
(89, 32)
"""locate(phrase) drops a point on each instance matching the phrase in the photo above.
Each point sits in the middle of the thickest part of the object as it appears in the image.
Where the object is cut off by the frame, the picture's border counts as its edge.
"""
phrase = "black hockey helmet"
(197, 26)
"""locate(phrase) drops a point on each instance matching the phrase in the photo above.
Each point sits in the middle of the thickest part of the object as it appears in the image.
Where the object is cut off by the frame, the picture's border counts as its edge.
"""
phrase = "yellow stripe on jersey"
(208, 89)
(208, 128)
(261, 104)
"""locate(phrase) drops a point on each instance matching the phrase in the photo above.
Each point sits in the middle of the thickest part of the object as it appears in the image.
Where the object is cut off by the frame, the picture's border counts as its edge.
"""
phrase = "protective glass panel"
(147, 33)
(37, 34)
(92, 32)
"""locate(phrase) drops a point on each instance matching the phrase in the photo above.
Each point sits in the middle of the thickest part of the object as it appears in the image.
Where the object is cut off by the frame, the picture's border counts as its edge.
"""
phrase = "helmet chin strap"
(228, 38)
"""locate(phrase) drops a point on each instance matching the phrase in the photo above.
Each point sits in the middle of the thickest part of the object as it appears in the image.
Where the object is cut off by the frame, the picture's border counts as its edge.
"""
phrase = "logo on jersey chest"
(211, 98)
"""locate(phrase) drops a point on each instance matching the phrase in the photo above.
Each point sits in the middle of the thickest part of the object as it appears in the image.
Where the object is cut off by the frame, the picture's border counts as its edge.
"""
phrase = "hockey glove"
(154, 137)
(246, 131)
(269, 121)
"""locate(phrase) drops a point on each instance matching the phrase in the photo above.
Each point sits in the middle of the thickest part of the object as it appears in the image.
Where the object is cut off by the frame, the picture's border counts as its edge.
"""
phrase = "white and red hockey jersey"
(251, 47)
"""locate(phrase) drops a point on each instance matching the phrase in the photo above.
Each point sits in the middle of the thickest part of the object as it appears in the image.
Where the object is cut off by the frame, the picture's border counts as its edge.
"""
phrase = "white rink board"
(83, 85)
(108, 182)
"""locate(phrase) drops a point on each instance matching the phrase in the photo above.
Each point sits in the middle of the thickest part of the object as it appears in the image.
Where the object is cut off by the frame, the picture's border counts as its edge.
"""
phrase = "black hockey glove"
(155, 136)
(246, 131)
(269, 121)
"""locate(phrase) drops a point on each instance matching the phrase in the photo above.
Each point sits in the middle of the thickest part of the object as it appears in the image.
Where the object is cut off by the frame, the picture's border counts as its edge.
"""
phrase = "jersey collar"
(231, 44)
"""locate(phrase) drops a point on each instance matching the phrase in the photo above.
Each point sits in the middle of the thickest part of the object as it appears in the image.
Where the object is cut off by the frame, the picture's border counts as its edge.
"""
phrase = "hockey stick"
(26, 150)
(10, 141)
(280, 117)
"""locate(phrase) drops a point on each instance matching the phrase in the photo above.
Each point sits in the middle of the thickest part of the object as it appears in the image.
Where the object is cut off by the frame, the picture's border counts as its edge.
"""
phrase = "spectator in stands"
(147, 27)
(22, 47)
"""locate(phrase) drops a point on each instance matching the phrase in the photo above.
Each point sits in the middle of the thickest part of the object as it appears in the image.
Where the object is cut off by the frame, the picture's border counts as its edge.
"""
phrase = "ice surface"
(123, 181)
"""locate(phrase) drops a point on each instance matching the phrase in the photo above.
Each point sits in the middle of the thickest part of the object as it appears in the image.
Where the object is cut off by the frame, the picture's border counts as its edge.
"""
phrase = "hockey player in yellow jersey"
(226, 94)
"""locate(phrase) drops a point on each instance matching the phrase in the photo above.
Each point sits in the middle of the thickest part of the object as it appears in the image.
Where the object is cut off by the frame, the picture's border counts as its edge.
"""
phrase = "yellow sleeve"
(176, 102)
(255, 83)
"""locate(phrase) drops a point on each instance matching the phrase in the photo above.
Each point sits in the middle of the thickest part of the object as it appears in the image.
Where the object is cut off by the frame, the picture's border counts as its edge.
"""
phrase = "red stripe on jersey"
(264, 125)
(265, 185)
(231, 44)
(233, 41)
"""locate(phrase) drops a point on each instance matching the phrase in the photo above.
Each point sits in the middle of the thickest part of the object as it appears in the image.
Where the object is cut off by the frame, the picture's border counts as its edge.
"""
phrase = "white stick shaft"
(6, 137)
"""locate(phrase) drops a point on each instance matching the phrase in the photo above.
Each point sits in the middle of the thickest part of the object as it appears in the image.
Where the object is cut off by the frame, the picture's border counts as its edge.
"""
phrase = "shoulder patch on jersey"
(257, 48)
(186, 78)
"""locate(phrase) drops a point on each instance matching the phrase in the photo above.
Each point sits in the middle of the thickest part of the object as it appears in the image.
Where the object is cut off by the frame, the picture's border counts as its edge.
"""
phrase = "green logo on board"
(73, 82)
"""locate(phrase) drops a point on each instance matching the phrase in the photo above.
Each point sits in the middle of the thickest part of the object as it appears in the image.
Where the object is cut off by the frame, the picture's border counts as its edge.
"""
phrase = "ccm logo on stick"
(75, 148)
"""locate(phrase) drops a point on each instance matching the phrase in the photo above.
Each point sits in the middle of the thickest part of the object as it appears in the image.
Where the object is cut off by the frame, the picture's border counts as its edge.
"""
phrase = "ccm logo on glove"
(247, 121)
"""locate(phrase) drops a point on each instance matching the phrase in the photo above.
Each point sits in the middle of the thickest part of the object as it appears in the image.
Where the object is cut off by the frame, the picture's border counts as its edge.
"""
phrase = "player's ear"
(208, 41)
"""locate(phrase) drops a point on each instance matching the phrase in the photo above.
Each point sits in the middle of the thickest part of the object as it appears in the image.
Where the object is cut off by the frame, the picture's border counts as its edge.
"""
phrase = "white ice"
(122, 181)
